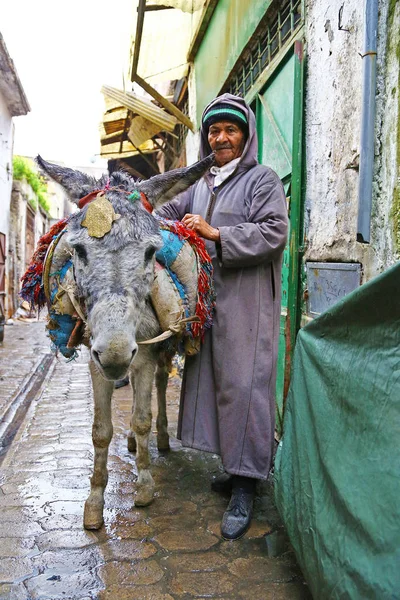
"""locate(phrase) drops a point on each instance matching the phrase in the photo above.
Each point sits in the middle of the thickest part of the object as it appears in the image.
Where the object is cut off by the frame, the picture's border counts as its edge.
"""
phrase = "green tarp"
(338, 464)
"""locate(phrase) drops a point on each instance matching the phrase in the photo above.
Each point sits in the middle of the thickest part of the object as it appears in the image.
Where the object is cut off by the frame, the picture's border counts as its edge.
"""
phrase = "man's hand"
(201, 227)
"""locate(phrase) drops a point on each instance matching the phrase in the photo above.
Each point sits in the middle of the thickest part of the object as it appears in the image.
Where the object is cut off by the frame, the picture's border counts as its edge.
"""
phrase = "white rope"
(174, 329)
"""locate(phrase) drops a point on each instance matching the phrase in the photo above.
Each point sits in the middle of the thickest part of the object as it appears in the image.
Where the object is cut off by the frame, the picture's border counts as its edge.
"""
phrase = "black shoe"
(121, 382)
(222, 484)
(237, 517)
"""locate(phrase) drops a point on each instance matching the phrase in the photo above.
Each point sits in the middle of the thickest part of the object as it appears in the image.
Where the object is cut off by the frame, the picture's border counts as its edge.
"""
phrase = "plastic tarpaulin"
(338, 465)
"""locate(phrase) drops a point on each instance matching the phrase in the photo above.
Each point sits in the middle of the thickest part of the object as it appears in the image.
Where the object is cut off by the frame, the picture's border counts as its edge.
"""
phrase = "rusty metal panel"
(329, 282)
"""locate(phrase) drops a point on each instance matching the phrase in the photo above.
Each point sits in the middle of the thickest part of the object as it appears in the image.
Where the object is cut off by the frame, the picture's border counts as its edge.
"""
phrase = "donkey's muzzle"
(113, 360)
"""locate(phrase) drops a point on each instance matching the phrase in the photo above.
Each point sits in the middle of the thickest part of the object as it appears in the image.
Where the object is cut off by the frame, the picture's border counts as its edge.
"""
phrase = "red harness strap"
(146, 203)
(89, 197)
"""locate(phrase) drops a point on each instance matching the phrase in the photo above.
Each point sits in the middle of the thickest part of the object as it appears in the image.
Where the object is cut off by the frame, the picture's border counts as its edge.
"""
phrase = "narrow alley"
(170, 549)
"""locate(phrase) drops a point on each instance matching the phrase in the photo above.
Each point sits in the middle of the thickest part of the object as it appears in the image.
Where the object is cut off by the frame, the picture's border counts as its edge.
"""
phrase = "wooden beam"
(113, 138)
(118, 154)
(159, 146)
(143, 155)
(126, 125)
(116, 115)
(130, 169)
(138, 37)
(158, 7)
(164, 102)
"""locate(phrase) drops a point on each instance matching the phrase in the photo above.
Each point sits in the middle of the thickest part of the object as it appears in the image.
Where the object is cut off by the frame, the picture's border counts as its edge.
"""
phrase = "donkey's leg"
(143, 378)
(101, 433)
(131, 434)
(162, 421)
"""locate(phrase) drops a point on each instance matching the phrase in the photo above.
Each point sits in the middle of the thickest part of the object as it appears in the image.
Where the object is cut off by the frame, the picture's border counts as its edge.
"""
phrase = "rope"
(174, 329)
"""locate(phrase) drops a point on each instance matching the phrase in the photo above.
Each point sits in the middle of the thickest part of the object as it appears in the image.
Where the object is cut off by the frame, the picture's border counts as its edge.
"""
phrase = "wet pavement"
(25, 344)
(169, 550)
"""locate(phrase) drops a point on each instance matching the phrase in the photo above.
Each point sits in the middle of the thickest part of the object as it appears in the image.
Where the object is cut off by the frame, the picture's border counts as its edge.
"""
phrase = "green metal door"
(279, 127)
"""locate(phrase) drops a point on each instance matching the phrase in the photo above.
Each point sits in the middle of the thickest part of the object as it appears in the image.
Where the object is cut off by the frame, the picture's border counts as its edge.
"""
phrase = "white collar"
(222, 173)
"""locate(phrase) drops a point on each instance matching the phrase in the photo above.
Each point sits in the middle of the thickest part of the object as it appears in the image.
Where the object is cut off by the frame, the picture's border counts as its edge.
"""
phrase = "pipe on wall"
(367, 121)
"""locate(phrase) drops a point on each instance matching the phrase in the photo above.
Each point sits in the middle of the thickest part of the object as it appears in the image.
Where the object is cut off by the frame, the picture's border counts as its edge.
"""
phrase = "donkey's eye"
(81, 252)
(149, 253)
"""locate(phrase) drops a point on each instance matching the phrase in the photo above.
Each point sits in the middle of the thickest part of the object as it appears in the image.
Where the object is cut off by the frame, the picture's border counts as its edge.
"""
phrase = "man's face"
(227, 140)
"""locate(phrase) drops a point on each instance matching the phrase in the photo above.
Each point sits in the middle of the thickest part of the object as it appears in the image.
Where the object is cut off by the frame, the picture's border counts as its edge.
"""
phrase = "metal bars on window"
(265, 46)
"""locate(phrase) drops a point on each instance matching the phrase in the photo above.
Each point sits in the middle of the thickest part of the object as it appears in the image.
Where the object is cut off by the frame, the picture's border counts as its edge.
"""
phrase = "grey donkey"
(113, 275)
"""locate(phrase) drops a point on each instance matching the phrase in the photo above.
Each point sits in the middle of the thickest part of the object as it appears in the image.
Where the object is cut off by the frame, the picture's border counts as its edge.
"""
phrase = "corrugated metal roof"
(138, 106)
(129, 123)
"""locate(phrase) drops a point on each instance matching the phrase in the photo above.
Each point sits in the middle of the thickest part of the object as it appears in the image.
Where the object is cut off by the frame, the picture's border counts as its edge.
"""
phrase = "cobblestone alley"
(171, 549)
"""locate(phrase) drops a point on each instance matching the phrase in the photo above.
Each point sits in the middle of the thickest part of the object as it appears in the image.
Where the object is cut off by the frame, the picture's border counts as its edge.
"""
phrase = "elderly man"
(228, 389)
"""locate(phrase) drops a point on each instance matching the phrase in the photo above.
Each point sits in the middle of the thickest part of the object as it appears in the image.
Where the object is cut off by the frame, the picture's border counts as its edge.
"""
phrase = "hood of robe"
(250, 151)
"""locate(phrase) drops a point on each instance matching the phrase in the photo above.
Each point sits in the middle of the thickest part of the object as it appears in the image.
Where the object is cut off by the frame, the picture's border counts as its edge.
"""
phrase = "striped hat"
(225, 112)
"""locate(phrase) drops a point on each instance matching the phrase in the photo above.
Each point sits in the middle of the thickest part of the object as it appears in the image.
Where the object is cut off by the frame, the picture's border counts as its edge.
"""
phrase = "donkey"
(113, 275)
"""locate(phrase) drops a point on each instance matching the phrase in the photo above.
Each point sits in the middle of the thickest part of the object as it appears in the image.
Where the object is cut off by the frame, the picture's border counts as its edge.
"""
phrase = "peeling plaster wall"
(386, 223)
(334, 35)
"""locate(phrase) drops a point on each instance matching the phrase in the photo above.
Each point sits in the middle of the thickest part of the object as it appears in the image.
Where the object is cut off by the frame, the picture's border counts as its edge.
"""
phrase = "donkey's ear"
(162, 188)
(75, 183)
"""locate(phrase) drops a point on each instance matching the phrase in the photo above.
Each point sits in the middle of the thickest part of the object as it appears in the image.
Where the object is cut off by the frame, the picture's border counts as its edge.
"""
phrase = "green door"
(279, 127)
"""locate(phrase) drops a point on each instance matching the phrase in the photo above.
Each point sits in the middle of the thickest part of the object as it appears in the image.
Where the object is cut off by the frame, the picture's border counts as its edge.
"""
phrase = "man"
(228, 389)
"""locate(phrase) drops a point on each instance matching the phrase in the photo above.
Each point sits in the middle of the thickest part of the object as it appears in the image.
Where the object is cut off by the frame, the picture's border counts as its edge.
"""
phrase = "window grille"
(265, 46)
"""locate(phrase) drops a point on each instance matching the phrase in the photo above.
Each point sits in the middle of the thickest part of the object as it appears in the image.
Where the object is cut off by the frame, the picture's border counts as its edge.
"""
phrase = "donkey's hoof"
(144, 496)
(92, 516)
(163, 444)
(131, 444)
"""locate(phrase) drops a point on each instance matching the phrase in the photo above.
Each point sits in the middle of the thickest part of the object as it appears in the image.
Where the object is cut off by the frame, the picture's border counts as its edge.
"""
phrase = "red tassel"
(206, 295)
(32, 290)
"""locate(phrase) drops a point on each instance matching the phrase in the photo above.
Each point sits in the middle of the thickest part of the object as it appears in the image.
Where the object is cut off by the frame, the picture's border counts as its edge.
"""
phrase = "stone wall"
(334, 36)
(17, 259)
(334, 32)
(386, 223)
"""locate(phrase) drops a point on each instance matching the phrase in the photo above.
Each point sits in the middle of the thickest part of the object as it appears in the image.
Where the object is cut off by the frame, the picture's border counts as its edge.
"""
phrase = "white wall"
(60, 204)
(332, 129)
(192, 139)
(6, 147)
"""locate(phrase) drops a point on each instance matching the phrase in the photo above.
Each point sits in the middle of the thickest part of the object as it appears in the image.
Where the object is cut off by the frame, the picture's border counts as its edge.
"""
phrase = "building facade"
(300, 64)
(27, 223)
(13, 103)
(323, 80)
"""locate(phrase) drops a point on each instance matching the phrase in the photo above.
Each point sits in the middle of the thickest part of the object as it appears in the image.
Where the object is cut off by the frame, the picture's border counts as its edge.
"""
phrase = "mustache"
(223, 147)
